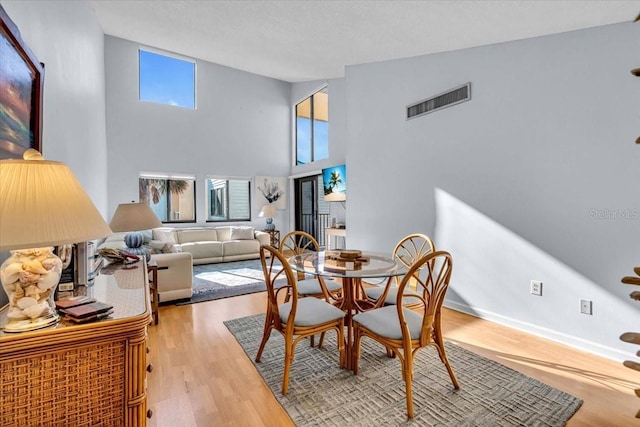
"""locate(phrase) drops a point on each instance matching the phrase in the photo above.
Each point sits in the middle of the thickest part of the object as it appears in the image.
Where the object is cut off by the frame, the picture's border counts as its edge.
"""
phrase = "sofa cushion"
(164, 234)
(197, 235)
(240, 247)
(224, 233)
(203, 249)
(162, 247)
(242, 233)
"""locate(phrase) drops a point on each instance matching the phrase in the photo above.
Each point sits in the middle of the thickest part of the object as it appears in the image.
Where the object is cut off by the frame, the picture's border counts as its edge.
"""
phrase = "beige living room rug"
(322, 394)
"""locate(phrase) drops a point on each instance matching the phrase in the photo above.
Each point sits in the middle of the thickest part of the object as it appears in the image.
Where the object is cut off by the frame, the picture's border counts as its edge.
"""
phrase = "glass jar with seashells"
(29, 277)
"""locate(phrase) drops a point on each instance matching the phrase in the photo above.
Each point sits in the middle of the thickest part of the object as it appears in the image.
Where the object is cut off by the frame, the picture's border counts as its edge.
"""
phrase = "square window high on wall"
(165, 79)
(171, 197)
(312, 128)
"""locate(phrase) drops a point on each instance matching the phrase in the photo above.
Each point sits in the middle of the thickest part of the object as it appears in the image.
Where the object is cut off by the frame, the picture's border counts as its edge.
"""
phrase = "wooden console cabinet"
(82, 375)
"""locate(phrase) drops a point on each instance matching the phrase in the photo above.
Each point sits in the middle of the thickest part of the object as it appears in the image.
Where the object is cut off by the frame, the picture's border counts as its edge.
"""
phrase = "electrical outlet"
(586, 307)
(536, 287)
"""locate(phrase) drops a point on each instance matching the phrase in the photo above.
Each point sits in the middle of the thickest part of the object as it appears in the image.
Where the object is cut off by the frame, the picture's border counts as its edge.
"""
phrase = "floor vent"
(438, 102)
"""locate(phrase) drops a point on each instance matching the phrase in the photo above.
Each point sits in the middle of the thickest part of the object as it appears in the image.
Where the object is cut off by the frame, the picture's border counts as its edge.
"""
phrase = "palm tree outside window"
(171, 199)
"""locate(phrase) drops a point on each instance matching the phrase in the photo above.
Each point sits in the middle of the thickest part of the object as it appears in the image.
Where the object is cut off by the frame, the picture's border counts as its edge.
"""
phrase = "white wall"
(522, 171)
(66, 37)
(239, 129)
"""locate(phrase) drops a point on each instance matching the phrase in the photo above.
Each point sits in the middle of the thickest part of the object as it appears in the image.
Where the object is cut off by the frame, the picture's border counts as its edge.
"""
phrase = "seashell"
(33, 252)
(34, 266)
(36, 310)
(26, 302)
(45, 295)
(49, 280)
(19, 292)
(11, 272)
(33, 292)
(27, 278)
(52, 263)
(15, 313)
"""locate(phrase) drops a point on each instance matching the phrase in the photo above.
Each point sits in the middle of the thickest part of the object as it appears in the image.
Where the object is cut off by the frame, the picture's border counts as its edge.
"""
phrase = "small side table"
(152, 269)
(274, 238)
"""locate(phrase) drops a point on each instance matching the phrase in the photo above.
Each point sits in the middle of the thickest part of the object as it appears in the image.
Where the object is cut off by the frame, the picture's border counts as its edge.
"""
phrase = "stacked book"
(83, 309)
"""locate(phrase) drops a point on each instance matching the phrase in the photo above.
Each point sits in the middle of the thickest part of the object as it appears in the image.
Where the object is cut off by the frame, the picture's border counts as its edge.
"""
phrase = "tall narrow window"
(172, 198)
(312, 128)
(166, 80)
(228, 199)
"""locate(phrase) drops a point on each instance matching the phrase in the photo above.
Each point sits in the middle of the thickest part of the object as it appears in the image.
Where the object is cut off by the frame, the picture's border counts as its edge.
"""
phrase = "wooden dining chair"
(298, 318)
(299, 242)
(405, 331)
(408, 250)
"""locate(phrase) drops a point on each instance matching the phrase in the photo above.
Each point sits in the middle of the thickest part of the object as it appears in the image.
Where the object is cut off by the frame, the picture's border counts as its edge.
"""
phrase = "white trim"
(166, 175)
(559, 337)
(226, 177)
(305, 174)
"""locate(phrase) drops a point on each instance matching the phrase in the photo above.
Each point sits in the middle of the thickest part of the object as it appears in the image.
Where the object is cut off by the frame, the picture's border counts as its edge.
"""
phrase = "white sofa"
(175, 270)
(212, 244)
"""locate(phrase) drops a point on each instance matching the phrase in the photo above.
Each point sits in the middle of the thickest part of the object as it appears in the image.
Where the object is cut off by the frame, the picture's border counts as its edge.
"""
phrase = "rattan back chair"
(405, 331)
(298, 318)
(408, 250)
(299, 242)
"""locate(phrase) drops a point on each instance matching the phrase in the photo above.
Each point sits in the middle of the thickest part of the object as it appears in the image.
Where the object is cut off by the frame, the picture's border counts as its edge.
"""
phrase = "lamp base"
(30, 277)
(31, 325)
(269, 225)
(134, 241)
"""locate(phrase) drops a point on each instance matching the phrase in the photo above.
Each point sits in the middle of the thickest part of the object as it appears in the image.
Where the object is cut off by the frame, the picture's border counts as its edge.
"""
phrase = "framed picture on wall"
(21, 84)
(272, 190)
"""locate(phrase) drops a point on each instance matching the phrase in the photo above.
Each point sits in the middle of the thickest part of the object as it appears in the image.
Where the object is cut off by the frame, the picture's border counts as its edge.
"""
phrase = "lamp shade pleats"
(134, 217)
(42, 204)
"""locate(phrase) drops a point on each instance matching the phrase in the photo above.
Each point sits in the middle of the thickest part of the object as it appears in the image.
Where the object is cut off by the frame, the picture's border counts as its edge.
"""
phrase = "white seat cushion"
(376, 292)
(311, 311)
(385, 322)
(312, 286)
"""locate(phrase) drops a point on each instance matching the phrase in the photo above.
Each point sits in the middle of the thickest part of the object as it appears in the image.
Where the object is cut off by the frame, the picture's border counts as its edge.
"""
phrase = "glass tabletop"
(369, 264)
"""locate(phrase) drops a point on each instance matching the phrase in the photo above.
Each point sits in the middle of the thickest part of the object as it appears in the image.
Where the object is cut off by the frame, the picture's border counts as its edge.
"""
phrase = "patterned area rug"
(321, 394)
(225, 279)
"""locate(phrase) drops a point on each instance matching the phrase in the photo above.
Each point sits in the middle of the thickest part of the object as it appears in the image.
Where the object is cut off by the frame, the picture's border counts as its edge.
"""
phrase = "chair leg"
(341, 344)
(288, 359)
(439, 344)
(407, 375)
(268, 326)
(321, 340)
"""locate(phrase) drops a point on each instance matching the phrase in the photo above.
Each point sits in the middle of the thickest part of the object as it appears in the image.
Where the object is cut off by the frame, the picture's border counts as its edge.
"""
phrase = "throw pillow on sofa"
(242, 233)
(164, 234)
(163, 247)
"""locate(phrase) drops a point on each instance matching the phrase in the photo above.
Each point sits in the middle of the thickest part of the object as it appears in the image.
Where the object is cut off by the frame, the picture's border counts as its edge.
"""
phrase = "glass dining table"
(369, 265)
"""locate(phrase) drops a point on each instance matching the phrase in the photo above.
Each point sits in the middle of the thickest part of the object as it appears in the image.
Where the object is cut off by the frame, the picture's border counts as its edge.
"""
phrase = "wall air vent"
(438, 102)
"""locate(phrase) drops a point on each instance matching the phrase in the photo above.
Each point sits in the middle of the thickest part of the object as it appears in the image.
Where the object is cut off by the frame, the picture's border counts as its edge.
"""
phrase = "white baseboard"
(579, 343)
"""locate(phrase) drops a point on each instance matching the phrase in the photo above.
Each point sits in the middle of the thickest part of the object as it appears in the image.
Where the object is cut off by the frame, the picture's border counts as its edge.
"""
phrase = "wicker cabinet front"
(81, 375)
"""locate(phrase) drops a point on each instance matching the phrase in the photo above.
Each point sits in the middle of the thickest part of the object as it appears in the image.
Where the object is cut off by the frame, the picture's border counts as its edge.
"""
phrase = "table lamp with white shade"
(42, 205)
(134, 217)
(268, 211)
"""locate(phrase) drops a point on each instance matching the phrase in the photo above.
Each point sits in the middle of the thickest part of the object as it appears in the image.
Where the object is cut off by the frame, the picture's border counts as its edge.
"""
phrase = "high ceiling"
(309, 40)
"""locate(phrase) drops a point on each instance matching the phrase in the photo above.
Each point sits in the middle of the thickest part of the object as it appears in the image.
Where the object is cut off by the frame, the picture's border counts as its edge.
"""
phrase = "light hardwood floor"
(202, 377)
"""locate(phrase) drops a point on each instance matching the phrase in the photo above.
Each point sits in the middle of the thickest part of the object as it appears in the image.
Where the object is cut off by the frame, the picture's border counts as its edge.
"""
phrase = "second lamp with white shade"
(268, 212)
(134, 217)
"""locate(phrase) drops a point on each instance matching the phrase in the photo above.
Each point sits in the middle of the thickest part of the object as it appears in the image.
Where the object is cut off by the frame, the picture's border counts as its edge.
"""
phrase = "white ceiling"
(310, 40)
